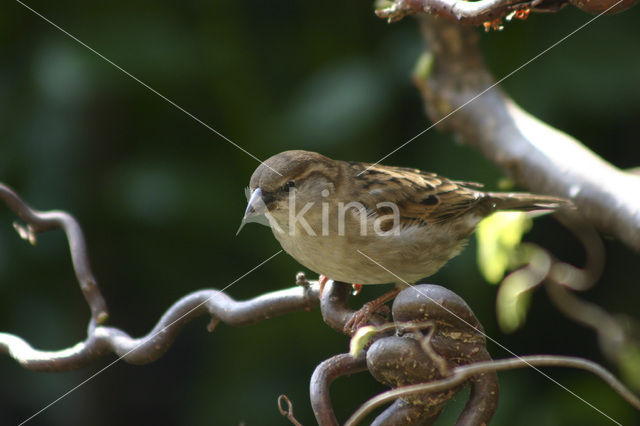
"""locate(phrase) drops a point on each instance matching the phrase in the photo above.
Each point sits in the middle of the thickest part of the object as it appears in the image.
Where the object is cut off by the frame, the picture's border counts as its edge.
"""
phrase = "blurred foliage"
(630, 366)
(498, 236)
(513, 297)
(160, 196)
(361, 338)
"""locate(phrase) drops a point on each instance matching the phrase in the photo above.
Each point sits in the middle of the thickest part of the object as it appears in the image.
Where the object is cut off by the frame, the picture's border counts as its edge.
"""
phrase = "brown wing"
(421, 197)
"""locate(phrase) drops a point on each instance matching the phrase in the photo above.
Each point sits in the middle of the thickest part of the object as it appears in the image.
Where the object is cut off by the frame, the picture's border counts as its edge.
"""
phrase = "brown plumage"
(428, 198)
(433, 215)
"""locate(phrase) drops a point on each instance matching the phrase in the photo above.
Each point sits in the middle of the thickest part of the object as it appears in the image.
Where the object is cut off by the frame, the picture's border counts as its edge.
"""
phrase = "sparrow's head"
(298, 173)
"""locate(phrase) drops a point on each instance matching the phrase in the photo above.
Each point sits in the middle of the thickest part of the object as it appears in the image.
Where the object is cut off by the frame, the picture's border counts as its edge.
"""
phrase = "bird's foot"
(357, 288)
(322, 279)
(363, 315)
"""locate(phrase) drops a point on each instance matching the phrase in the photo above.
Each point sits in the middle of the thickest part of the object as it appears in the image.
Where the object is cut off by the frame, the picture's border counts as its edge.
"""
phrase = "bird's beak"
(255, 207)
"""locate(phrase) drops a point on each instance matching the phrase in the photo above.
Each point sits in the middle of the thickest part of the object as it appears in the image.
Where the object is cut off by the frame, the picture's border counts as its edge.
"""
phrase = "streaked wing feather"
(421, 197)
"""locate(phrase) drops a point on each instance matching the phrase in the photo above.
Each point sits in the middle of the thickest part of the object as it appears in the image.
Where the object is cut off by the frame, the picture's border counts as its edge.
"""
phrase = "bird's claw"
(362, 316)
(357, 288)
(322, 279)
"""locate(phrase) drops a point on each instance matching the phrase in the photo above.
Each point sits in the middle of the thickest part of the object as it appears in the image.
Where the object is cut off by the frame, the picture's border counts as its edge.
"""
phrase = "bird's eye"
(287, 186)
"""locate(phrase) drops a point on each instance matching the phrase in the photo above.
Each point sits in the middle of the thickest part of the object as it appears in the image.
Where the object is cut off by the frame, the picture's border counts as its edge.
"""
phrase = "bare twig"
(562, 276)
(334, 305)
(491, 12)
(288, 412)
(559, 277)
(534, 154)
(612, 336)
(463, 373)
(465, 12)
(104, 340)
(323, 376)
(38, 222)
(436, 331)
(570, 276)
(542, 267)
(335, 308)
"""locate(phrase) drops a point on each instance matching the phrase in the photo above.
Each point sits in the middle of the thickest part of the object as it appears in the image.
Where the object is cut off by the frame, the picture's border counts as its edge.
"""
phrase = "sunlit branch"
(465, 12)
(535, 155)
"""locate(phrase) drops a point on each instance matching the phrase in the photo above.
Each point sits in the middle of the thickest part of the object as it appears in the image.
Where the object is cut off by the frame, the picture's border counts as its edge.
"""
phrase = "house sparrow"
(372, 224)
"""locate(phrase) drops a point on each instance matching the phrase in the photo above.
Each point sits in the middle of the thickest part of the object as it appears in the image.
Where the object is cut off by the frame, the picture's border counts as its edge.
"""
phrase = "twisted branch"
(335, 309)
(534, 154)
(466, 372)
(466, 12)
(102, 340)
(491, 12)
(324, 374)
(38, 222)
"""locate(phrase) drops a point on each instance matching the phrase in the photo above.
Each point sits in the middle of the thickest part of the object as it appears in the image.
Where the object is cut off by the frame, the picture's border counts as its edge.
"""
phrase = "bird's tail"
(526, 202)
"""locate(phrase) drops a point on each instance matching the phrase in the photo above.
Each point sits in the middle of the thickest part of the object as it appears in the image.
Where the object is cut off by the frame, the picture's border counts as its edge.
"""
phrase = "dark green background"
(160, 196)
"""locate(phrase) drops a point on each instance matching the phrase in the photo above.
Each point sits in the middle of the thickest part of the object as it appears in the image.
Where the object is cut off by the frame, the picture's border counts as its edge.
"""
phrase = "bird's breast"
(368, 257)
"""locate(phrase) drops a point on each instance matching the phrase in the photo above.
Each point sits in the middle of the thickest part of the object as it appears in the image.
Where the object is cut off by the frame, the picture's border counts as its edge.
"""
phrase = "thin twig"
(288, 412)
(323, 376)
(39, 222)
(463, 373)
(104, 340)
